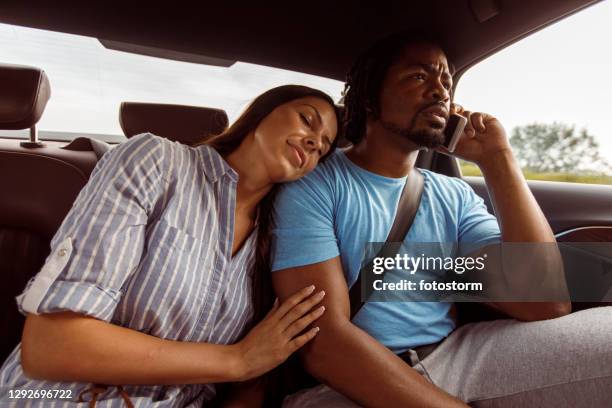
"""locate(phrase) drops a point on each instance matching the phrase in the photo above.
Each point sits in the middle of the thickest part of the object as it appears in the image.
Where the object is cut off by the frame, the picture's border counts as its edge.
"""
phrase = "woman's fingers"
(297, 326)
(299, 341)
(301, 309)
(293, 300)
(271, 341)
(273, 309)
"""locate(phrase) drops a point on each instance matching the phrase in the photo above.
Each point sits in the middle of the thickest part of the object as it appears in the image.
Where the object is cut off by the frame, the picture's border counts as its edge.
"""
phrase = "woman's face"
(294, 136)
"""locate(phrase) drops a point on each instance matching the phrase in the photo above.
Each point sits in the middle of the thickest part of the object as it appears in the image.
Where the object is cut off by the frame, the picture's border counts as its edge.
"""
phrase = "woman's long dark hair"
(228, 141)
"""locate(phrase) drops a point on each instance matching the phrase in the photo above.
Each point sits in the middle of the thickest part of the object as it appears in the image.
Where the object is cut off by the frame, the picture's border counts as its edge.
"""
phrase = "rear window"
(89, 82)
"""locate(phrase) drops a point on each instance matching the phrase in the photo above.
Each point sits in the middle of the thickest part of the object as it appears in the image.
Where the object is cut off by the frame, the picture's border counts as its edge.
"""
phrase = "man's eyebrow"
(431, 68)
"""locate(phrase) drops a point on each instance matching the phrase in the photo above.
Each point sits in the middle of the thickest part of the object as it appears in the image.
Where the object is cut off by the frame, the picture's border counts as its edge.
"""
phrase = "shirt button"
(62, 252)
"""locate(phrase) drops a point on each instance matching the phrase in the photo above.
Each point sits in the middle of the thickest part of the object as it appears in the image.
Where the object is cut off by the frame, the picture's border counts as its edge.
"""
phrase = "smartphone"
(453, 130)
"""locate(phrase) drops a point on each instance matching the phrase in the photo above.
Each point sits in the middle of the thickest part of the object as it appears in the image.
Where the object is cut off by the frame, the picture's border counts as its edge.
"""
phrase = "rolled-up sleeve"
(100, 242)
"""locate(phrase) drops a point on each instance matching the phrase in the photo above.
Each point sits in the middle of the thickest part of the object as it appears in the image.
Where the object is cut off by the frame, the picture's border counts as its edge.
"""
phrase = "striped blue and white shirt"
(147, 245)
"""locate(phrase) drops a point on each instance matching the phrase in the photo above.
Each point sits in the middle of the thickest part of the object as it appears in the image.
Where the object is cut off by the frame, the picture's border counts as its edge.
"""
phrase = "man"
(398, 99)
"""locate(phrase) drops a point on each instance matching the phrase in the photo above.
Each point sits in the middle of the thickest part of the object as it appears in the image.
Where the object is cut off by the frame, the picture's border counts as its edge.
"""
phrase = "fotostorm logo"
(412, 264)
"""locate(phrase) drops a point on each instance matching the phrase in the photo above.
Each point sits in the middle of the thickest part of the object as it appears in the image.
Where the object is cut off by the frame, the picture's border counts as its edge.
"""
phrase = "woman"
(151, 274)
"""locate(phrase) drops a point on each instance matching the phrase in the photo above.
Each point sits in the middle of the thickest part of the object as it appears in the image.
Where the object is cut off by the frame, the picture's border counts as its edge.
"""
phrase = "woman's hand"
(277, 336)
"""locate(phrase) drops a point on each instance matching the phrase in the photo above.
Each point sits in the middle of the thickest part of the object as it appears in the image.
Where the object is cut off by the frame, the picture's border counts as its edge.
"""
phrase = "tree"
(555, 148)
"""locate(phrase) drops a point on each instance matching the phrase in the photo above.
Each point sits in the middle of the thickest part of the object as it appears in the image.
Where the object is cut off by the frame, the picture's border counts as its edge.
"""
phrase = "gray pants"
(564, 362)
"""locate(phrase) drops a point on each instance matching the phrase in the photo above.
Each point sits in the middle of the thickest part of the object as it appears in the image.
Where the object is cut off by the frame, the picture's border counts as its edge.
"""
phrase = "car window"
(551, 91)
(89, 82)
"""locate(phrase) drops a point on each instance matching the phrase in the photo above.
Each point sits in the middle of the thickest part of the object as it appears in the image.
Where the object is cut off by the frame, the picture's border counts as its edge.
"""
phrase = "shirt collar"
(215, 165)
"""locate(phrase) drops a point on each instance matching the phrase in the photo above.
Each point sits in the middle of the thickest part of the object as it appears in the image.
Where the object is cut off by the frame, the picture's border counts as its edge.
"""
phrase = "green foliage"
(470, 169)
(556, 148)
(555, 152)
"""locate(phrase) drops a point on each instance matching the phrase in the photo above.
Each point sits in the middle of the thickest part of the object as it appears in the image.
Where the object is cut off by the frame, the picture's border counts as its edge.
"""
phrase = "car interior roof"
(320, 38)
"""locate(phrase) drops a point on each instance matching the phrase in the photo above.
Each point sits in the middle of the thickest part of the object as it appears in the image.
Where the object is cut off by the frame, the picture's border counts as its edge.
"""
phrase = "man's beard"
(421, 137)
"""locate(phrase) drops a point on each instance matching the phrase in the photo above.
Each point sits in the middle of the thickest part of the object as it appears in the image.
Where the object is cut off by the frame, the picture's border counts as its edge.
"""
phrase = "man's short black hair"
(365, 78)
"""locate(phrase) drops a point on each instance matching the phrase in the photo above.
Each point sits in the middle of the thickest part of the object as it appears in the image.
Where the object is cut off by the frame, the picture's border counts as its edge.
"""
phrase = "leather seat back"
(38, 185)
(181, 123)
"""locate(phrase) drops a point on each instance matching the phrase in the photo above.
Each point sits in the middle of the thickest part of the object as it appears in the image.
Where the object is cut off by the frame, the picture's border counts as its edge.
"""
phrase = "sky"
(89, 82)
(561, 73)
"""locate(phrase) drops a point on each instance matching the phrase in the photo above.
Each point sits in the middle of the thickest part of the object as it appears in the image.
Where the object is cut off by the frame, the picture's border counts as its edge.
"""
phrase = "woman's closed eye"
(306, 120)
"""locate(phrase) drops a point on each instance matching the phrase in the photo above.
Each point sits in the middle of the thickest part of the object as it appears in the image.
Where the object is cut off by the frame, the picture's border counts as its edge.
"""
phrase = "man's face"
(415, 95)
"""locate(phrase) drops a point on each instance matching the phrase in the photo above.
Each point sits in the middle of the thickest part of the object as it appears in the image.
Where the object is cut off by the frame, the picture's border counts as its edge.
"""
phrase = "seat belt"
(407, 207)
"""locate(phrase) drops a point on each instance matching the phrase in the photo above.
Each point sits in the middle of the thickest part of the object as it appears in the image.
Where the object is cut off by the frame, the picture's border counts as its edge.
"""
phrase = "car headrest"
(23, 96)
(181, 123)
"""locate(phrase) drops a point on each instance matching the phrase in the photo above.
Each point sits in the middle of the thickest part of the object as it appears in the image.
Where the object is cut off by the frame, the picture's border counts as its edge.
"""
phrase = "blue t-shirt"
(340, 207)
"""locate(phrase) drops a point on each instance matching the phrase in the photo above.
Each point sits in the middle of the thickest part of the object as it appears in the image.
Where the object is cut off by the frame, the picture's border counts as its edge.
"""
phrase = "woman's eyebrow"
(316, 111)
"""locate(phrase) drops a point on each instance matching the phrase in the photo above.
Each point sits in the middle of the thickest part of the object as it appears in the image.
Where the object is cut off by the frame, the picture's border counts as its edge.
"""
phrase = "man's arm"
(347, 358)
(520, 218)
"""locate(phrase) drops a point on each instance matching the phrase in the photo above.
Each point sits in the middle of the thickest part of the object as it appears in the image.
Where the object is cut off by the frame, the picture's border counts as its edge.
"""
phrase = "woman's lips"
(297, 156)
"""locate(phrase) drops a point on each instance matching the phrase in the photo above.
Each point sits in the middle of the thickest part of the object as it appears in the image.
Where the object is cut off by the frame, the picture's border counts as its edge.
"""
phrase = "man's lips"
(437, 111)
(299, 154)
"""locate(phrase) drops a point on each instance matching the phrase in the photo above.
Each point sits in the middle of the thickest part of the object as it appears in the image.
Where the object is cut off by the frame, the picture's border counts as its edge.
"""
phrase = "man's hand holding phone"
(482, 140)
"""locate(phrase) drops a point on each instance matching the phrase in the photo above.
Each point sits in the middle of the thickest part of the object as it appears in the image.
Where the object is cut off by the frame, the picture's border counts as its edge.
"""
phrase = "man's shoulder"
(446, 188)
(443, 179)
(324, 177)
(331, 166)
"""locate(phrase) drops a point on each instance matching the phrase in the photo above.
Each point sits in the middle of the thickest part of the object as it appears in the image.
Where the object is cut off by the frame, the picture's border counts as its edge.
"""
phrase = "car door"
(546, 91)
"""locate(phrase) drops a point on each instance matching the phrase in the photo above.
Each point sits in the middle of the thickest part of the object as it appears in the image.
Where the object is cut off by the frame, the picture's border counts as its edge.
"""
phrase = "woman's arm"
(71, 347)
